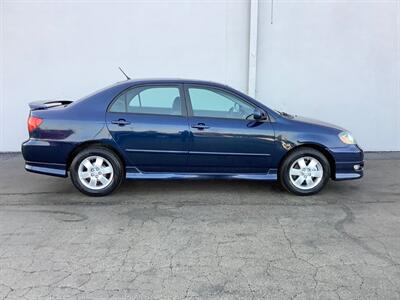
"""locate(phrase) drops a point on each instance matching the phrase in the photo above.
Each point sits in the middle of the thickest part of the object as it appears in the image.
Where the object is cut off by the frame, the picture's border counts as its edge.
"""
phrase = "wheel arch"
(317, 147)
(78, 148)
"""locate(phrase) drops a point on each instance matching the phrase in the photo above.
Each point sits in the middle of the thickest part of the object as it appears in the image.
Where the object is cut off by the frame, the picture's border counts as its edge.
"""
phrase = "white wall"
(67, 49)
(334, 60)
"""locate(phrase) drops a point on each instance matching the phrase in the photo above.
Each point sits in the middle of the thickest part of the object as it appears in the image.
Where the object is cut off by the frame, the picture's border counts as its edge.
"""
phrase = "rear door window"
(160, 100)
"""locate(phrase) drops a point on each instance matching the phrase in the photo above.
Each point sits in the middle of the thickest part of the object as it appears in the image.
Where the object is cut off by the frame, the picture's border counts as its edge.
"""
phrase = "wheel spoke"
(299, 180)
(84, 175)
(317, 174)
(301, 163)
(106, 170)
(99, 162)
(103, 180)
(295, 172)
(88, 165)
(312, 163)
(309, 181)
(93, 182)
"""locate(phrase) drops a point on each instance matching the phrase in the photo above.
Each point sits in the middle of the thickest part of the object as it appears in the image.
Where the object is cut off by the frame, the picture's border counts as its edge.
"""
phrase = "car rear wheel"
(96, 171)
(304, 172)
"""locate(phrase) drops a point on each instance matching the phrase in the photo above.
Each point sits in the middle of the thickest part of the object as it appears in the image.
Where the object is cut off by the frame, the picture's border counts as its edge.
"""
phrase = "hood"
(311, 121)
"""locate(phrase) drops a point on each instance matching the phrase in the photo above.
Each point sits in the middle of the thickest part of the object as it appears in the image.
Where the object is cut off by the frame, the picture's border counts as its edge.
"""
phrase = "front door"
(224, 136)
(149, 123)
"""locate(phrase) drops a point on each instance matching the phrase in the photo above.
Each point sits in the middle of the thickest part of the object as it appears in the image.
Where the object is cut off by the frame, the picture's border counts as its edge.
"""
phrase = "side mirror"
(259, 115)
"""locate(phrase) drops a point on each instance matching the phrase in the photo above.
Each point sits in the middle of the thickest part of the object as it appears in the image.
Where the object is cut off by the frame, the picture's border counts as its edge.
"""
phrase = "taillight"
(33, 123)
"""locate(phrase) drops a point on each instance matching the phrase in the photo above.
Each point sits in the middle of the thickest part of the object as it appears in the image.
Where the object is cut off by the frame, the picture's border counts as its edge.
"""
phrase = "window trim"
(188, 101)
(179, 86)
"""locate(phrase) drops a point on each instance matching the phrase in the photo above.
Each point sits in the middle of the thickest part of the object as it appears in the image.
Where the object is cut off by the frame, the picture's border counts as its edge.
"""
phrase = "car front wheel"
(96, 171)
(304, 172)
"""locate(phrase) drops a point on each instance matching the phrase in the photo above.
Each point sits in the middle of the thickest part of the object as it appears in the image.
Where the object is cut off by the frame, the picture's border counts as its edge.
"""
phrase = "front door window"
(214, 103)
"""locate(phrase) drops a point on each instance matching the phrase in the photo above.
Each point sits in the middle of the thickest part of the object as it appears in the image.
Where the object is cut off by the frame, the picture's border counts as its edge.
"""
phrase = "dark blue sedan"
(183, 129)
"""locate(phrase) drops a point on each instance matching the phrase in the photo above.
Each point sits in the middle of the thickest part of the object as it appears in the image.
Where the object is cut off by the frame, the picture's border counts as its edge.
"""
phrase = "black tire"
(111, 157)
(284, 175)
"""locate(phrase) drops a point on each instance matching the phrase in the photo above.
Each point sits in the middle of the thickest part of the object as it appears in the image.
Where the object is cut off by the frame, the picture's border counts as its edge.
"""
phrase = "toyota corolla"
(183, 129)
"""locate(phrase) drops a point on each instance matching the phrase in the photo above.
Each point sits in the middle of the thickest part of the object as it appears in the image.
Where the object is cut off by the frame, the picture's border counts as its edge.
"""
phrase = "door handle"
(200, 126)
(121, 122)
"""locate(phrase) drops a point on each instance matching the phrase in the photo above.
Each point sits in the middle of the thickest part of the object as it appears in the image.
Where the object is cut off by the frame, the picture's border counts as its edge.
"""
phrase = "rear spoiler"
(37, 105)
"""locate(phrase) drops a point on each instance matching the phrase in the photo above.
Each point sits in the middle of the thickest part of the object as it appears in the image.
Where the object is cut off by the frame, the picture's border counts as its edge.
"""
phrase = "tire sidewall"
(105, 153)
(285, 177)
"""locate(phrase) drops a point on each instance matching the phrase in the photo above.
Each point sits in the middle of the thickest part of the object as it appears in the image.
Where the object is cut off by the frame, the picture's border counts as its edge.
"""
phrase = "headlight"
(347, 138)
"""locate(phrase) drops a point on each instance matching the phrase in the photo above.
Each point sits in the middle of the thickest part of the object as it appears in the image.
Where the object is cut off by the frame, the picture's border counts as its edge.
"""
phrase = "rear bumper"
(48, 169)
(46, 157)
(349, 162)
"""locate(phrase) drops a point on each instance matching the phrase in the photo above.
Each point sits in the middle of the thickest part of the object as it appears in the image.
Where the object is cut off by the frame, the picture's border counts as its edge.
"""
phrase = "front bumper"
(349, 162)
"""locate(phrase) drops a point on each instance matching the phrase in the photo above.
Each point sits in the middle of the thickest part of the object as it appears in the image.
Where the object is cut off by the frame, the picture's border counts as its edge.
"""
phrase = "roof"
(170, 80)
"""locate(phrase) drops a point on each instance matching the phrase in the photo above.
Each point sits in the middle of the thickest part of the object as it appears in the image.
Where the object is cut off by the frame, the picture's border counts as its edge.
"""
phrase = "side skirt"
(270, 176)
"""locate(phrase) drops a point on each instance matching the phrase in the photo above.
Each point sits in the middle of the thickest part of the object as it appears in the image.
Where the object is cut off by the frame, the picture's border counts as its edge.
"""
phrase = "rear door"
(149, 123)
(224, 136)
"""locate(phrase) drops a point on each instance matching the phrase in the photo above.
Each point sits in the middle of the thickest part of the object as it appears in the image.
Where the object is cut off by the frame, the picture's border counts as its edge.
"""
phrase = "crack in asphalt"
(349, 219)
(76, 217)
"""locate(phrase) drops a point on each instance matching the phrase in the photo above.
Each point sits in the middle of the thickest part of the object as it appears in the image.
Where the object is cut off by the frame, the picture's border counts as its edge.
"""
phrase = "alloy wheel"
(306, 172)
(95, 172)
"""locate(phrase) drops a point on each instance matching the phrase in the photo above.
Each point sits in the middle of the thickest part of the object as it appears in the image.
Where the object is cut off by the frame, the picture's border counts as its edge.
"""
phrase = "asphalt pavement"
(200, 239)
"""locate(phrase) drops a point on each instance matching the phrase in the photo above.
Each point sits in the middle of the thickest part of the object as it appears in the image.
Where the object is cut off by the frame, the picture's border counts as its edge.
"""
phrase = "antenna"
(127, 77)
